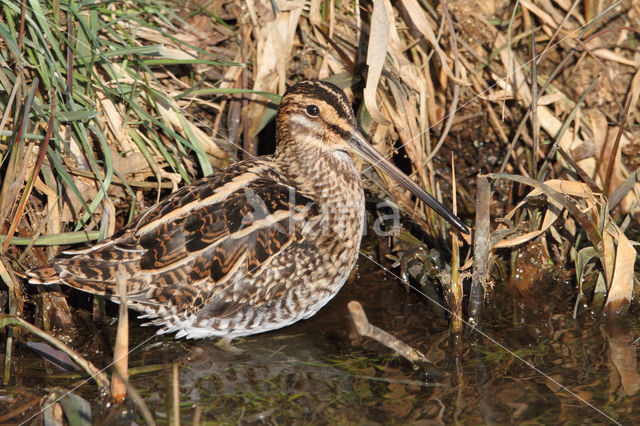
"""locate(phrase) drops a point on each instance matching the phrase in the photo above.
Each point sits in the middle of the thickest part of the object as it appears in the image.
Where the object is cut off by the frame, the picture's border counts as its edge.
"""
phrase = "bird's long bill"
(370, 153)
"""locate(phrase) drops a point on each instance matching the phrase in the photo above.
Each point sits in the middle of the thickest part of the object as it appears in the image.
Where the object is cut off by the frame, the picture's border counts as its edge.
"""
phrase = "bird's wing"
(184, 251)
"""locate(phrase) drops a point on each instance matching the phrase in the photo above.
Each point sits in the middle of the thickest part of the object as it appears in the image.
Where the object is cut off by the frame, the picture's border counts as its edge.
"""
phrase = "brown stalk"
(176, 396)
(583, 175)
(36, 170)
(21, 33)
(456, 282)
(70, 29)
(481, 250)
(608, 30)
(588, 9)
(13, 290)
(616, 147)
(121, 352)
(535, 124)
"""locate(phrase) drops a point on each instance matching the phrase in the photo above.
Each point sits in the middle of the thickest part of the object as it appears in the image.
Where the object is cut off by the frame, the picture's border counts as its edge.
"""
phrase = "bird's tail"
(44, 275)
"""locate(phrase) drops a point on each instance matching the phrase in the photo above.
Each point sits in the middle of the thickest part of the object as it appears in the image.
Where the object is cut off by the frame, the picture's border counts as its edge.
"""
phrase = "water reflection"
(320, 370)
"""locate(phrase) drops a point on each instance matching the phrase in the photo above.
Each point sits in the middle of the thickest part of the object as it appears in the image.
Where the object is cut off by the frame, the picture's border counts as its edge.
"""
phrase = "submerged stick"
(365, 328)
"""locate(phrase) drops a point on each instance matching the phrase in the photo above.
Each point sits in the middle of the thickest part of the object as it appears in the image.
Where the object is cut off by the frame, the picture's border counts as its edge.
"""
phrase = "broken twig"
(365, 328)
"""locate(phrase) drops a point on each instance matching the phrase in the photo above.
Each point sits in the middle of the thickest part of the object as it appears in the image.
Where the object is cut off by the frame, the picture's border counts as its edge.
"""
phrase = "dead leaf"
(376, 55)
(71, 206)
(574, 189)
(273, 50)
(134, 162)
(172, 115)
(623, 356)
(621, 287)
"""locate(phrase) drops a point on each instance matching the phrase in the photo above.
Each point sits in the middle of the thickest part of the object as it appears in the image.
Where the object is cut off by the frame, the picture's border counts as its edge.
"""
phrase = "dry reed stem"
(457, 320)
(481, 250)
(121, 351)
(8, 351)
(176, 396)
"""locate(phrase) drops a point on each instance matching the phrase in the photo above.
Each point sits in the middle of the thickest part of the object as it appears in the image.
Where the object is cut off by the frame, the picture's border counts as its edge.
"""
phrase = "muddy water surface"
(532, 363)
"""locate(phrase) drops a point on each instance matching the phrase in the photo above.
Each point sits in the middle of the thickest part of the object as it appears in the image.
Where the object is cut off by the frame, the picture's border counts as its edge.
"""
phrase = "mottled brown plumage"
(251, 248)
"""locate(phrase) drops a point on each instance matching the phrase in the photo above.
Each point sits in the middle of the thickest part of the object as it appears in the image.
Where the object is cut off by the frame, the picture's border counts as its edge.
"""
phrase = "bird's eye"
(313, 110)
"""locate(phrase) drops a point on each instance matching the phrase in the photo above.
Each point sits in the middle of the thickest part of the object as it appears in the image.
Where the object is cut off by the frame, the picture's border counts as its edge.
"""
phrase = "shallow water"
(533, 364)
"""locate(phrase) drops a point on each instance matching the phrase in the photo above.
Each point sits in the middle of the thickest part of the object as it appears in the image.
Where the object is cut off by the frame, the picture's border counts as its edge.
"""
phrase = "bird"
(251, 248)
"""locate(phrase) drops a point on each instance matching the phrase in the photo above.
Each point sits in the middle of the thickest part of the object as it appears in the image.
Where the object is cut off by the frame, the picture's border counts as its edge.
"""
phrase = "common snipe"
(252, 248)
